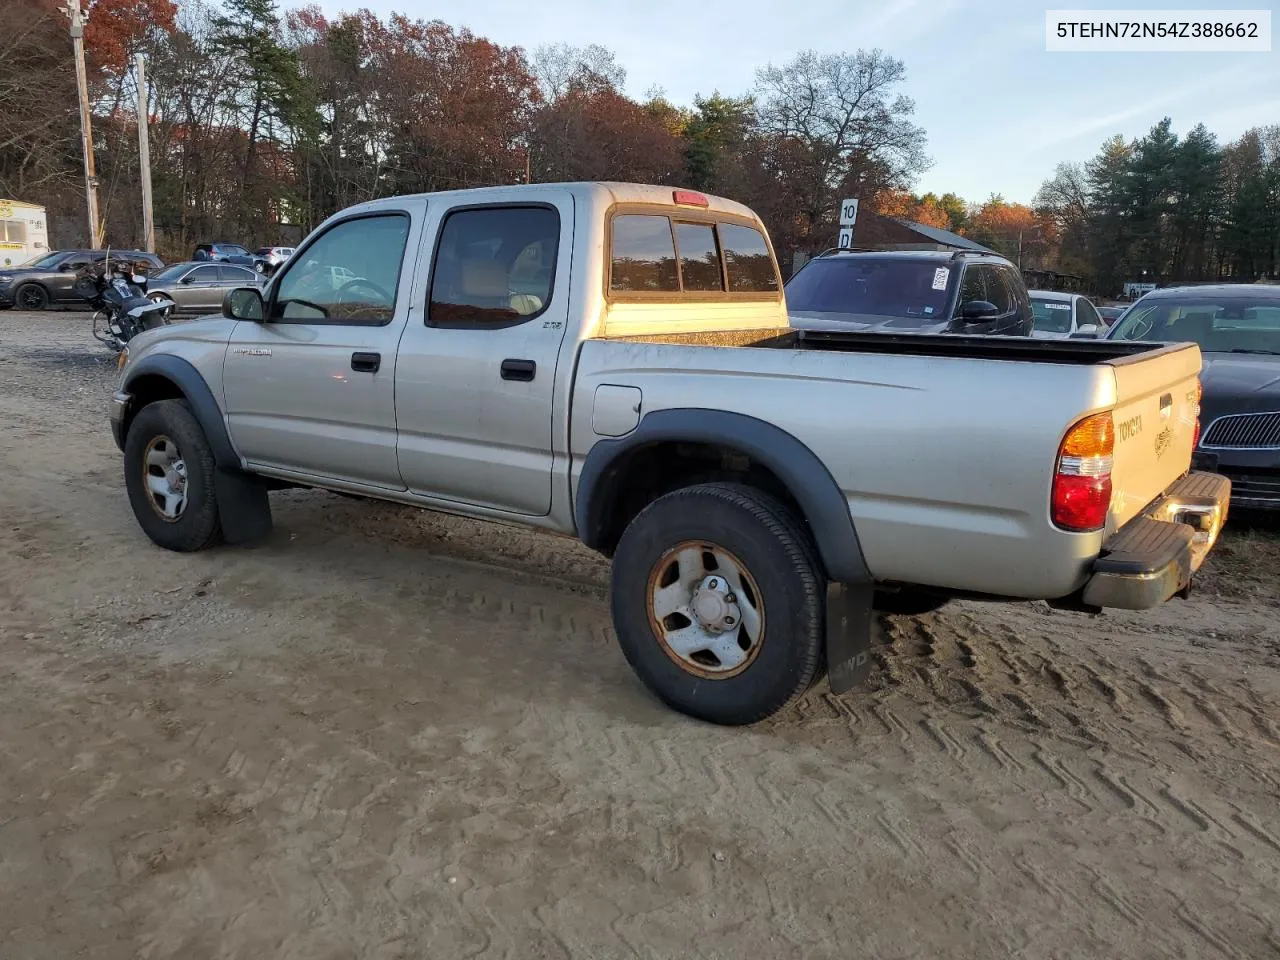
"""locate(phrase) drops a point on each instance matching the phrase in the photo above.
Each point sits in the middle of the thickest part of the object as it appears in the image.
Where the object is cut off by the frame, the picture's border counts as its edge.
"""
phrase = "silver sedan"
(199, 287)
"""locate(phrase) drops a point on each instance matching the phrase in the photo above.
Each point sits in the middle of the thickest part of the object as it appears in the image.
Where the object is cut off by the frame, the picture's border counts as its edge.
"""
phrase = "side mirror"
(187, 279)
(977, 310)
(244, 303)
(1088, 331)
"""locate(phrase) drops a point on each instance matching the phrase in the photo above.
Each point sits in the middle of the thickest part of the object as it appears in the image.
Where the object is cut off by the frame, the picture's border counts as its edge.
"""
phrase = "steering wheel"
(387, 298)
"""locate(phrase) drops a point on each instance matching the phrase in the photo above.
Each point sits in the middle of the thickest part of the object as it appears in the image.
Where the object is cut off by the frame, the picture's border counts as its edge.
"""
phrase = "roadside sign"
(846, 238)
(848, 214)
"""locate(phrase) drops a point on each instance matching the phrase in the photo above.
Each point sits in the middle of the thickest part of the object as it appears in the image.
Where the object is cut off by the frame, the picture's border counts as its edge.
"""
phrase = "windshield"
(1244, 325)
(1051, 316)
(875, 287)
(42, 262)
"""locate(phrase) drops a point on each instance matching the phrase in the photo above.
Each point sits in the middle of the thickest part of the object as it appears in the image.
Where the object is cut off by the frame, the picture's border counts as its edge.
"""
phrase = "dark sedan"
(1238, 329)
(48, 280)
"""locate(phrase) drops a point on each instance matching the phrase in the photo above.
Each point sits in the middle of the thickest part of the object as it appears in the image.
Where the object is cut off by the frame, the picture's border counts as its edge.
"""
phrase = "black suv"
(910, 291)
(48, 280)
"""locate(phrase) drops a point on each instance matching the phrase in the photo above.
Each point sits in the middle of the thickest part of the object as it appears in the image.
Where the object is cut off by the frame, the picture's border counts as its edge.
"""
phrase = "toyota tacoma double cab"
(614, 362)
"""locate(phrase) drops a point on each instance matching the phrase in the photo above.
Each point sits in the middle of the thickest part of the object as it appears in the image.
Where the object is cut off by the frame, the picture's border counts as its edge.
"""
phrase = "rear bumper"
(1153, 557)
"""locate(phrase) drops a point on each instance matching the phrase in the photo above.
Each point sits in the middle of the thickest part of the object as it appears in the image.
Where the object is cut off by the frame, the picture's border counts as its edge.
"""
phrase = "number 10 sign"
(848, 215)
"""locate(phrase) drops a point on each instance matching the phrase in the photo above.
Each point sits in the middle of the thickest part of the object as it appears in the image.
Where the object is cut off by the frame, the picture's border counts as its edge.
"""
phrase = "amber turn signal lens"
(1092, 437)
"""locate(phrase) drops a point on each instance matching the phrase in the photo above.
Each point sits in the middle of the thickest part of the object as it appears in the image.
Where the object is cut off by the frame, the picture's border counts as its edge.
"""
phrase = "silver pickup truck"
(613, 362)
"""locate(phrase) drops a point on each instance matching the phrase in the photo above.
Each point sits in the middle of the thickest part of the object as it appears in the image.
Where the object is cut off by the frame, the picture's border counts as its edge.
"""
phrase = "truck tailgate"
(1157, 404)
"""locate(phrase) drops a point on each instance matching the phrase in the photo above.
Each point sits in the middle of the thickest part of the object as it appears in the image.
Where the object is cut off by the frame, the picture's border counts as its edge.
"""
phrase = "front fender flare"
(821, 501)
(199, 397)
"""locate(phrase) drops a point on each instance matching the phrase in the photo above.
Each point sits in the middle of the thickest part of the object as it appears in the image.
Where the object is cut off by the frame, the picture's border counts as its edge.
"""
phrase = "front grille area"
(1254, 486)
(1244, 431)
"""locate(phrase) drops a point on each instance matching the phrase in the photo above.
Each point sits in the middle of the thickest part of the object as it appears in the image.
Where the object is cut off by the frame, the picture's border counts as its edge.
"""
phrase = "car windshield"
(871, 287)
(262, 252)
(42, 262)
(1051, 316)
(1218, 325)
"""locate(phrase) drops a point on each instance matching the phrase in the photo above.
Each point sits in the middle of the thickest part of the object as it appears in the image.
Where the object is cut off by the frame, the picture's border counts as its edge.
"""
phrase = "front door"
(475, 382)
(311, 391)
(199, 289)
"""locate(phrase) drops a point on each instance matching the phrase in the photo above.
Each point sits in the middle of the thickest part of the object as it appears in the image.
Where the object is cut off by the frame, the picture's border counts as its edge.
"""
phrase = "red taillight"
(1081, 494)
(688, 198)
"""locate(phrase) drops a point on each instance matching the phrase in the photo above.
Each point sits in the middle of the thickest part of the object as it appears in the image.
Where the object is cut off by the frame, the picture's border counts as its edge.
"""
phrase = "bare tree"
(560, 67)
(852, 130)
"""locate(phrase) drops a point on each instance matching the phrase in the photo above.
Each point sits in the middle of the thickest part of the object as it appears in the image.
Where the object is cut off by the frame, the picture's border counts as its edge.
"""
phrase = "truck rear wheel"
(169, 474)
(719, 603)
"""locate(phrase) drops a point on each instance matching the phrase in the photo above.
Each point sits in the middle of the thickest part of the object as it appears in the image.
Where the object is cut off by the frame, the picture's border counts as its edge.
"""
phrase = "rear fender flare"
(825, 509)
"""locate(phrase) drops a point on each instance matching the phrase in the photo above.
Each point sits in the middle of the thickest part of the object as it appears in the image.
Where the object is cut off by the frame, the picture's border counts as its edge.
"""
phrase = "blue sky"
(999, 110)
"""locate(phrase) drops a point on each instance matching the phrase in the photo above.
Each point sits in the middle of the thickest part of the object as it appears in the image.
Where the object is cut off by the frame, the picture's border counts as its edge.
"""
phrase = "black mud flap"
(243, 506)
(851, 627)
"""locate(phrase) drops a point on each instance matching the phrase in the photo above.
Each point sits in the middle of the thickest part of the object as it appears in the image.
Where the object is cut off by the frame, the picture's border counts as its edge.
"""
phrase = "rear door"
(476, 371)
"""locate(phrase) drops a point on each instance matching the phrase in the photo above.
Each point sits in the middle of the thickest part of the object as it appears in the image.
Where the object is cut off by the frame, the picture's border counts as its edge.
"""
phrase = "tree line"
(260, 119)
(263, 123)
(1169, 209)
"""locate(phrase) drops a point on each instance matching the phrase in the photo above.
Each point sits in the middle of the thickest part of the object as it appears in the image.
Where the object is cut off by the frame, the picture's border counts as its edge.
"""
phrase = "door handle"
(519, 370)
(366, 362)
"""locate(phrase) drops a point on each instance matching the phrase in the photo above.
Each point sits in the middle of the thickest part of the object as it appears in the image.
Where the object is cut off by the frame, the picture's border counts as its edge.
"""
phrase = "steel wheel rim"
(164, 478)
(705, 609)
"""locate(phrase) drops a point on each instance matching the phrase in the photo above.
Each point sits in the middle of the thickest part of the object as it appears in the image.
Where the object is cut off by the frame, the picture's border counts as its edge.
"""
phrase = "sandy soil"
(392, 734)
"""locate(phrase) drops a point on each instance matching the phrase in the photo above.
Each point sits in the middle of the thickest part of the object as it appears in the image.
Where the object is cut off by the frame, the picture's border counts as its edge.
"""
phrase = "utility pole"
(144, 158)
(86, 129)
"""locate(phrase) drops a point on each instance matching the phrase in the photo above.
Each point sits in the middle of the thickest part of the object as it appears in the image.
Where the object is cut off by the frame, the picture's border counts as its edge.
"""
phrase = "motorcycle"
(117, 291)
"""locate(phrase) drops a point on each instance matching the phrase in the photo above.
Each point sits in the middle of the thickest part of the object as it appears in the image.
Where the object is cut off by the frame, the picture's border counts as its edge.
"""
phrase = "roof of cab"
(1053, 295)
(599, 192)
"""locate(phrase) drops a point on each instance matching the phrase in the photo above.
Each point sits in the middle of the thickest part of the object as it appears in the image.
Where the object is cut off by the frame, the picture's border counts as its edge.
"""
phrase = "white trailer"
(24, 232)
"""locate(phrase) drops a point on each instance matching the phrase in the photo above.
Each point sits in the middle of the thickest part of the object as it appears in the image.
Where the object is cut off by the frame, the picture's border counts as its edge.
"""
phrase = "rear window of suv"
(658, 254)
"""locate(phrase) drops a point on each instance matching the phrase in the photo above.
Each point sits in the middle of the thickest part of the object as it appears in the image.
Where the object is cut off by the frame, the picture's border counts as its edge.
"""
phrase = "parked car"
(224, 253)
(910, 291)
(194, 287)
(1110, 314)
(1059, 315)
(1237, 327)
(268, 259)
(756, 486)
(49, 280)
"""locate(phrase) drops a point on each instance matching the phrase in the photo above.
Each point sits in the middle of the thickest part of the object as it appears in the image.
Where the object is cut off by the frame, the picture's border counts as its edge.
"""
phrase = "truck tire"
(169, 474)
(719, 603)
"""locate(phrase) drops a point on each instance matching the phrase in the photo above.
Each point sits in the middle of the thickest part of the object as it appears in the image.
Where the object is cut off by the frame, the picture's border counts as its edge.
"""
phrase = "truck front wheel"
(169, 474)
(718, 603)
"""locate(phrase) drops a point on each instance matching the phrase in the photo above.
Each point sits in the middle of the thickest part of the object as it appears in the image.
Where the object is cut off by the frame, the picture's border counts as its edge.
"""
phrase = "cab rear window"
(652, 253)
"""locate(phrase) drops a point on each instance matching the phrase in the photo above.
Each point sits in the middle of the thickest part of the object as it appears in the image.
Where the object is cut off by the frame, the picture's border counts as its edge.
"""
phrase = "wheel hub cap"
(164, 473)
(714, 605)
(706, 610)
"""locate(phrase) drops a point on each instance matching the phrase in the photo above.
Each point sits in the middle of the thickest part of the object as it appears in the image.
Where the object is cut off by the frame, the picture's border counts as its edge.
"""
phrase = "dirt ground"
(387, 733)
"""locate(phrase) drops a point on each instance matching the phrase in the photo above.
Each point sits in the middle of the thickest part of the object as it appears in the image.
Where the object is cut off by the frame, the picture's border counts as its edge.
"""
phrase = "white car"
(1061, 315)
